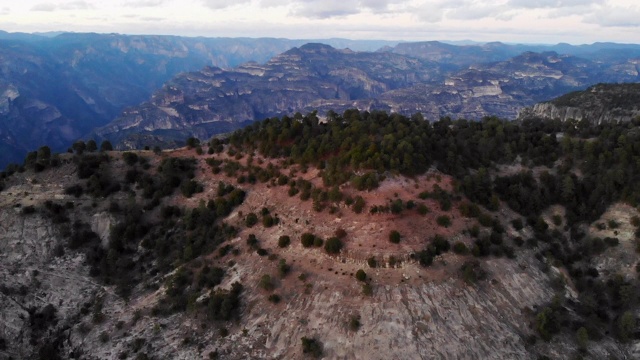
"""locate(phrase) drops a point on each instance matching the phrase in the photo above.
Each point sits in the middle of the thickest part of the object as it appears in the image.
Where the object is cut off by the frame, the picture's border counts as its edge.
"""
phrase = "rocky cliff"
(602, 103)
(319, 77)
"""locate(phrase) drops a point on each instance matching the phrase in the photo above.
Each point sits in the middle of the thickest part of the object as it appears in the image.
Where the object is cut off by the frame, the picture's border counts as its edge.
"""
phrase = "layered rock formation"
(602, 103)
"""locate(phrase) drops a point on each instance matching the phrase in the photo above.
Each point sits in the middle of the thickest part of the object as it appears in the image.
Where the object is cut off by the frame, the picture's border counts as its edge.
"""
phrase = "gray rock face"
(599, 104)
(318, 77)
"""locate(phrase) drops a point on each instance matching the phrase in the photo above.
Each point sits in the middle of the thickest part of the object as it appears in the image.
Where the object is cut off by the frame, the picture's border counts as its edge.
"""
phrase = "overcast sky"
(524, 21)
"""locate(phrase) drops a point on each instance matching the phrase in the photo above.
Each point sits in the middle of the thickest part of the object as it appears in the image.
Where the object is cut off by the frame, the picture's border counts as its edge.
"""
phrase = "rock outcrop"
(603, 103)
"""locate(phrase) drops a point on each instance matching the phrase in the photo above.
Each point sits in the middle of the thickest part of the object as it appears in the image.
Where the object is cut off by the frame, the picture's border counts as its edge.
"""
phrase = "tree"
(394, 236)
(582, 337)
(333, 245)
(92, 146)
(106, 146)
(361, 275)
(284, 241)
(311, 346)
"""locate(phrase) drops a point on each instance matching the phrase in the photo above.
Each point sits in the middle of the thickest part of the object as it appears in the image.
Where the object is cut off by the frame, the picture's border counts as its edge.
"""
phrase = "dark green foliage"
(274, 298)
(190, 187)
(283, 268)
(437, 246)
(130, 158)
(354, 322)
(443, 220)
(27, 210)
(284, 241)
(361, 275)
(358, 204)
(472, 272)
(307, 239)
(333, 245)
(394, 236)
(372, 262)
(517, 224)
(106, 146)
(224, 305)
(460, 248)
(266, 283)
(312, 347)
(251, 220)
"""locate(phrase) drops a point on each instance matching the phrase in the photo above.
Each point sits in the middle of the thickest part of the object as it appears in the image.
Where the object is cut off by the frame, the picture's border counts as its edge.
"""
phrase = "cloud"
(616, 17)
(143, 3)
(318, 9)
(552, 4)
(222, 4)
(5, 11)
(72, 5)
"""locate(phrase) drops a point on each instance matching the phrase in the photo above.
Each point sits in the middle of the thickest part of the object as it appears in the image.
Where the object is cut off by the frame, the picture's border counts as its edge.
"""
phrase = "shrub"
(318, 242)
(517, 224)
(361, 275)
(394, 236)
(372, 262)
(354, 323)
(284, 241)
(472, 272)
(274, 298)
(129, 158)
(460, 248)
(307, 239)
(423, 209)
(251, 220)
(266, 283)
(443, 220)
(612, 224)
(311, 347)
(333, 245)
(268, 221)
(283, 268)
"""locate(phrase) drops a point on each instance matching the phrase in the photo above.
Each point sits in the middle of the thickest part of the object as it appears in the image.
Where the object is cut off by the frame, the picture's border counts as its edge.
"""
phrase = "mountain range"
(142, 90)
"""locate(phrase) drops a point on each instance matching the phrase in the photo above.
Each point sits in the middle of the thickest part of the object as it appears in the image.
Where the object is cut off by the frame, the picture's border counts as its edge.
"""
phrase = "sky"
(515, 21)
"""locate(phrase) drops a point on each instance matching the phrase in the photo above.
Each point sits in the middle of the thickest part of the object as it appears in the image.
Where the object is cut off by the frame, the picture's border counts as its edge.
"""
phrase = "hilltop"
(369, 235)
(602, 103)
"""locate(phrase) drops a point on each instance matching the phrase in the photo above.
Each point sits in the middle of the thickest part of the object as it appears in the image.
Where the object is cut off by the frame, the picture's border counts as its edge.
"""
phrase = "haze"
(525, 21)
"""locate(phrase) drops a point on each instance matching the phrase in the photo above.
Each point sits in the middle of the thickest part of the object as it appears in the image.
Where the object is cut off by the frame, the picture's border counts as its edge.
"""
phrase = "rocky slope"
(602, 103)
(51, 304)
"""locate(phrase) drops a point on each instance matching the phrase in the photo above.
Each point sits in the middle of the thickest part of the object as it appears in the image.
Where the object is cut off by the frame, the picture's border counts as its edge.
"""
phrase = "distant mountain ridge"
(56, 89)
(602, 103)
(319, 77)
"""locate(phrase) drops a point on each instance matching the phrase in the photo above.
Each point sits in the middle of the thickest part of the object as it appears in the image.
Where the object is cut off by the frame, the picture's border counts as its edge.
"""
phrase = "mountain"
(319, 77)
(56, 89)
(314, 76)
(465, 55)
(602, 103)
(366, 236)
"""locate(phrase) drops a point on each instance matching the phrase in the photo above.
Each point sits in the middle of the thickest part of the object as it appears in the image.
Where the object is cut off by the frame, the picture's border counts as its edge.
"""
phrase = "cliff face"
(50, 302)
(603, 103)
(319, 77)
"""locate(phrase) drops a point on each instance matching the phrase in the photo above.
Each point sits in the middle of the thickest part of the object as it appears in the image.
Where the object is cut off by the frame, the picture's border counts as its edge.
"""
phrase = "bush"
(284, 241)
(394, 236)
(283, 268)
(274, 298)
(460, 248)
(517, 224)
(354, 323)
(307, 239)
(129, 158)
(444, 221)
(268, 221)
(472, 272)
(361, 275)
(367, 290)
(311, 346)
(251, 220)
(423, 209)
(266, 283)
(372, 262)
(333, 245)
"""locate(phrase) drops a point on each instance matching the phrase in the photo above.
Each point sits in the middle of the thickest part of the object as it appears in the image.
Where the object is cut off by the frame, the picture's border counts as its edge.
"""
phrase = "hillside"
(602, 103)
(319, 77)
(369, 236)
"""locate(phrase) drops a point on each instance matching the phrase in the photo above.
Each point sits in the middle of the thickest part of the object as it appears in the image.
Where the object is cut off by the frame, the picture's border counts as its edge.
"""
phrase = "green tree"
(361, 275)
(394, 236)
(333, 245)
(106, 146)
